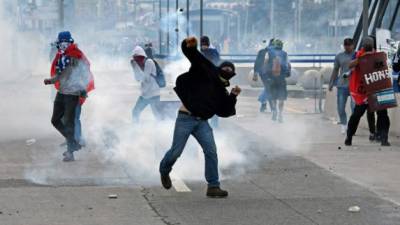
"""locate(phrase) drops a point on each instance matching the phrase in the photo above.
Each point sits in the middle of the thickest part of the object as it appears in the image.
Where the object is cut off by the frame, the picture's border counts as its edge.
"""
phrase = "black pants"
(63, 118)
(383, 122)
(371, 122)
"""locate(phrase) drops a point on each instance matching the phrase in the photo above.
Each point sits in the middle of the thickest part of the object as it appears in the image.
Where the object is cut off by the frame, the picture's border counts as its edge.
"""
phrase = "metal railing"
(315, 59)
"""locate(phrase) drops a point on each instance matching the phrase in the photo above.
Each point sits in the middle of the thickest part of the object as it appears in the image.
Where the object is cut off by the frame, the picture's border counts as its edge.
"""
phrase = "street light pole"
(336, 18)
(365, 18)
(187, 18)
(168, 27)
(61, 13)
(271, 14)
(159, 27)
(201, 18)
(177, 24)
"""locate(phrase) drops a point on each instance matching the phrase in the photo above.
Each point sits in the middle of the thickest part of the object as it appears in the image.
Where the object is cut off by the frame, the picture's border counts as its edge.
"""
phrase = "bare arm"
(353, 63)
(335, 73)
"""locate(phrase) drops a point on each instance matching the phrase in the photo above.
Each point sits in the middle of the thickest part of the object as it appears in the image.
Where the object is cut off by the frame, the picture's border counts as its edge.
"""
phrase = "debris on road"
(340, 148)
(30, 141)
(112, 196)
(319, 211)
(354, 209)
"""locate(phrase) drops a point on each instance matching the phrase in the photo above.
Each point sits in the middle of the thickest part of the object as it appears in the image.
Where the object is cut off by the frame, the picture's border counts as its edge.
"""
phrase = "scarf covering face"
(64, 45)
(61, 61)
(225, 76)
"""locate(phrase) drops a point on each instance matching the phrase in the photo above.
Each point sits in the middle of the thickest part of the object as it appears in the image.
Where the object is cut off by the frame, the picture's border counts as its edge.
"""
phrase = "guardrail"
(314, 59)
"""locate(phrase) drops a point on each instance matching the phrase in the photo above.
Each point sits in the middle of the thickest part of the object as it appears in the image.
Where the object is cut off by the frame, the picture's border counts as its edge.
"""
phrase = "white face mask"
(64, 45)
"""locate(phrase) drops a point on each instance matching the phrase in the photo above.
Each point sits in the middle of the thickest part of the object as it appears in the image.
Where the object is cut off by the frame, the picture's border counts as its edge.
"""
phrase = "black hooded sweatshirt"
(201, 90)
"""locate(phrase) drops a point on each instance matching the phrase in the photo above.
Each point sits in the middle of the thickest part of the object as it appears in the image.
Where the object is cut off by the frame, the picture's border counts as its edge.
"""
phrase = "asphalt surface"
(292, 173)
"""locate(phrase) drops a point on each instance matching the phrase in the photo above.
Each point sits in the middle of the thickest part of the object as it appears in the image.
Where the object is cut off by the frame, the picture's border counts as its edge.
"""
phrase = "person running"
(260, 70)
(277, 70)
(145, 72)
(340, 79)
(202, 91)
(360, 98)
(71, 75)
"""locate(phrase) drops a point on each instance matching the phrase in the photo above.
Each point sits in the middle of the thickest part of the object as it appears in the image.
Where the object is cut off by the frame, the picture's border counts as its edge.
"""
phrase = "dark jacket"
(201, 90)
(259, 63)
(396, 62)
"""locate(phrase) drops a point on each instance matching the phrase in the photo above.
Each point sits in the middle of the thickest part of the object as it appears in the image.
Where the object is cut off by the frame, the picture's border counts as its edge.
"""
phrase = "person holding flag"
(70, 73)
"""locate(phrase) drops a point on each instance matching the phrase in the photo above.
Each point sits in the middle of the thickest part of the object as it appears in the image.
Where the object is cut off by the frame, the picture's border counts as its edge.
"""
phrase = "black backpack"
(159, 77)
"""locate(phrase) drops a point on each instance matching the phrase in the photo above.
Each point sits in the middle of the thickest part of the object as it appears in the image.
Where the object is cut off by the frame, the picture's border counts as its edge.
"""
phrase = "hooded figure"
(145, 72)
(70, 73)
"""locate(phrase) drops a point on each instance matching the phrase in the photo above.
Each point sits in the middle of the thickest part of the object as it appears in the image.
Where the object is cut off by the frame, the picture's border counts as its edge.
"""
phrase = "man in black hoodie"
(202, 91)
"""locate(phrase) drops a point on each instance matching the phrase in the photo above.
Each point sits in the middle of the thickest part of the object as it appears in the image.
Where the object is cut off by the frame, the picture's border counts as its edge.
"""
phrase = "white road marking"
(179, 185)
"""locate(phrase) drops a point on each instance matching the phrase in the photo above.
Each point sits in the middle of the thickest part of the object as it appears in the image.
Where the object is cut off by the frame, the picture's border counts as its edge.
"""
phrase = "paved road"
(291, 173)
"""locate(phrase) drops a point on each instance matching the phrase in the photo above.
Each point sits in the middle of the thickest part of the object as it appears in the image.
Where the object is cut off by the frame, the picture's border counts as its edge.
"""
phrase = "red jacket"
(74, 52)
(356, 85)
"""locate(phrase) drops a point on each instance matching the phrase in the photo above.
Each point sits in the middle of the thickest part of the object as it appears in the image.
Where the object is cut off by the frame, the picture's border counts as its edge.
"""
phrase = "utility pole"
(187, 18)
(271, 14)
(300, 9)
(336, 19)
(365, 17)
(61, 13)
(168, 29)
(201, 18)
(177, 24)
(159, 27)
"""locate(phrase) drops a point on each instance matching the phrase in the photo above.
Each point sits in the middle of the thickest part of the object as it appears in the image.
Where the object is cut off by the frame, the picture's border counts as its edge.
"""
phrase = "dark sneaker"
(69, 157)
(372, 137)
(385, 143)
(348, 141)
(378, 138)
(216, 192)
(166, 181)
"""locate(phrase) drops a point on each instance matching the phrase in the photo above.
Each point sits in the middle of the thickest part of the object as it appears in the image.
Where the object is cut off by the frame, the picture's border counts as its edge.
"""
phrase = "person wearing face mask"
(202, 91)
(70, 73)
(357, 92)
(145, 71)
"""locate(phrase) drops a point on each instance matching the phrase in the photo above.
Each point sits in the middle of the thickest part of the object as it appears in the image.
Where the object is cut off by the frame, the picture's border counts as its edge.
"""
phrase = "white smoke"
(113, 141)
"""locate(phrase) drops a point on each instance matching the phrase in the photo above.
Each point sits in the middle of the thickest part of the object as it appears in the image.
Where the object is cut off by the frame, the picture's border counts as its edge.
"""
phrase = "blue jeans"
(214, 121)
(142, 103)
(343, 93)
(185, 126)
(263, 97)
(78, 125)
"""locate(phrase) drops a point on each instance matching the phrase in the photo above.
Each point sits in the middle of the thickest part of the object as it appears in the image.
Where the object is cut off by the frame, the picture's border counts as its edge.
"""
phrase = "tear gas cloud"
(113, 140)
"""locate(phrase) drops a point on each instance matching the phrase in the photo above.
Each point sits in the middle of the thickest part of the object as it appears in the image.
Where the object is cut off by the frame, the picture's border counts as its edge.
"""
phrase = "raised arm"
(189, 49)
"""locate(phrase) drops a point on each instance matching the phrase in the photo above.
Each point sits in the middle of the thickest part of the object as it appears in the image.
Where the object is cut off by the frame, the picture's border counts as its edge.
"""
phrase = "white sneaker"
(343, 129)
